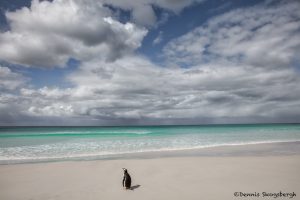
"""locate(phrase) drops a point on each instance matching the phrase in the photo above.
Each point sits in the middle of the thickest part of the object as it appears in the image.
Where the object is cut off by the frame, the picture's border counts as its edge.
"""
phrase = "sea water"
(37, 144)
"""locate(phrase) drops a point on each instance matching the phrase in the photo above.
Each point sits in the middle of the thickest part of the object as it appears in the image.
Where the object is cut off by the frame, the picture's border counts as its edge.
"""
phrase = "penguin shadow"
(135, 187)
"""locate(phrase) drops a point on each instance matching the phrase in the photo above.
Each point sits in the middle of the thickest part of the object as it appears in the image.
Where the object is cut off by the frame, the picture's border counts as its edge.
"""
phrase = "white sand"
(182, 178)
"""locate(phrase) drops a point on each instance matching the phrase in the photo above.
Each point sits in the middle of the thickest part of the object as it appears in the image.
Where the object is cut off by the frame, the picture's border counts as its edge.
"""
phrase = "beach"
(196, 99)
(244, 172)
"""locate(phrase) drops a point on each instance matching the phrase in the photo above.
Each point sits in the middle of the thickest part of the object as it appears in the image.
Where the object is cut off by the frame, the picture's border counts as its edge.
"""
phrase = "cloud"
(220, 84)
(135, 90)
(11, 80)
(142, 11)
(144, 15)
(172, 5)
(49, 33)
(158, 39)
(261, 36)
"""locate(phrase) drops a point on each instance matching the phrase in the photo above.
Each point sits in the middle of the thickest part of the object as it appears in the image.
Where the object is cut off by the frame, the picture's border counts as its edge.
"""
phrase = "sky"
(149, 62)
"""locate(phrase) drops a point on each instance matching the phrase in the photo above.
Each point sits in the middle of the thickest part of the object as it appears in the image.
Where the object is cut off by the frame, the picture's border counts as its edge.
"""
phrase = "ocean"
(43, 144)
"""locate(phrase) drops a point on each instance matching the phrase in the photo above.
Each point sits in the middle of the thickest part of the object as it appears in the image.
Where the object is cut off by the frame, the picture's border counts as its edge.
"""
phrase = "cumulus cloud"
(133, 89)
(220, 84)
(144, 15)
(10, 80)
(142, 11)
(261, 36)
(49, 33)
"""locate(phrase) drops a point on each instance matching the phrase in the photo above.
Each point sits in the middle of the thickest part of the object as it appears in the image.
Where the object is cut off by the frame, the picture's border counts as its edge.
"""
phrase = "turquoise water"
(35, 144)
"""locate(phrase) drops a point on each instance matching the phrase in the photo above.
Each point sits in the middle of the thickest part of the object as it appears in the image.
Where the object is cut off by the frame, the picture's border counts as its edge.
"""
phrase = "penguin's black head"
(125, 170)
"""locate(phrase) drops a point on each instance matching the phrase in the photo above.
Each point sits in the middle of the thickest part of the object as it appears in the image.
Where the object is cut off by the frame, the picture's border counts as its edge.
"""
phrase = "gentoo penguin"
(126, 180)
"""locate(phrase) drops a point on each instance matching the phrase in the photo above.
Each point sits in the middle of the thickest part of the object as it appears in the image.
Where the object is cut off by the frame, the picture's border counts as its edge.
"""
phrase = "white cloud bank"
(241, 70)
(49, 33)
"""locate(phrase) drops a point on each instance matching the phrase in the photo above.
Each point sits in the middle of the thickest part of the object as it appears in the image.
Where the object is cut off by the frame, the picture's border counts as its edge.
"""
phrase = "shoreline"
(177, 178)
(257, 149)
(238, 150)
(213, 173)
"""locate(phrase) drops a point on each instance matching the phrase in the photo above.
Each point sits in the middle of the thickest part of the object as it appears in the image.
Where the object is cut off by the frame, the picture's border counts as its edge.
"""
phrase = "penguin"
(126, 180)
